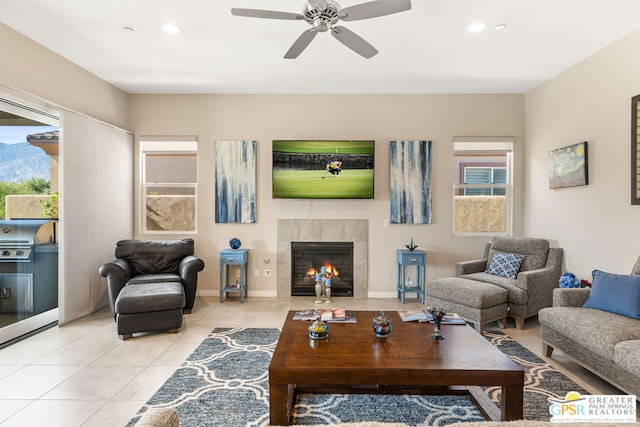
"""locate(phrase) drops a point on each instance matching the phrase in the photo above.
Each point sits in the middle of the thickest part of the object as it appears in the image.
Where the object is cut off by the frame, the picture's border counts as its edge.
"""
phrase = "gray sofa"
(606, 343)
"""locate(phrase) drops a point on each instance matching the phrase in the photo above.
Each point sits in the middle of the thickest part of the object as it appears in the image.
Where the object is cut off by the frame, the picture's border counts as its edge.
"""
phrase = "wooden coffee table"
(408, 361)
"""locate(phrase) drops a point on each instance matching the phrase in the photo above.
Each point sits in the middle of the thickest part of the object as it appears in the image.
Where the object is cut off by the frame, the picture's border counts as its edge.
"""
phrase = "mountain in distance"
(23, 161)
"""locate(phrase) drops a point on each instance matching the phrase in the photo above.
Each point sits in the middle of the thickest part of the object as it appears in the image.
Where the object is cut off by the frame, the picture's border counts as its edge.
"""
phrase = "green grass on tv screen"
(318, 184)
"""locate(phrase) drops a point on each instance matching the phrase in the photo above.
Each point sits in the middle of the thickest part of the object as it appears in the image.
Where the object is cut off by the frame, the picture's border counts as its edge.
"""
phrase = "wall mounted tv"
(322, 169)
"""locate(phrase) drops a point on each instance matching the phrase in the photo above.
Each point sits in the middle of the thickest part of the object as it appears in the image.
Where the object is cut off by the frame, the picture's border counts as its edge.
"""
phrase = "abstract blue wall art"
(410, 182)
(235, 181)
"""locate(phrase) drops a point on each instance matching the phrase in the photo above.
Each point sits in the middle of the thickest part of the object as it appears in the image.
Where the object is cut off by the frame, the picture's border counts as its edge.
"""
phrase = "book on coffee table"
(341, 315)
(327, 315)
(306, 314)
(412, 315)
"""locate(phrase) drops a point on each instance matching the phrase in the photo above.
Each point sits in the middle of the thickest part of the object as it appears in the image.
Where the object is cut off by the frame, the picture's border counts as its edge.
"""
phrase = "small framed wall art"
(635, 150)
(568, 166)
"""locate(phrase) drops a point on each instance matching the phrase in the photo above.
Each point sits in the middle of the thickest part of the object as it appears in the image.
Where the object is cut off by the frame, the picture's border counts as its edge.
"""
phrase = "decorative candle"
(328, 283)
(323, 269)
(317, 277)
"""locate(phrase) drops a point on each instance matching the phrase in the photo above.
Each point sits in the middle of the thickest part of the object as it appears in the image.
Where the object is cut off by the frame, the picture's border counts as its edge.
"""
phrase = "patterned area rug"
(225, 383)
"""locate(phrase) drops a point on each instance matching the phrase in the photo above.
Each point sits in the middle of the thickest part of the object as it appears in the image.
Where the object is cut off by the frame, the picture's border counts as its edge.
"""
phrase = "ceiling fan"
(324, 15)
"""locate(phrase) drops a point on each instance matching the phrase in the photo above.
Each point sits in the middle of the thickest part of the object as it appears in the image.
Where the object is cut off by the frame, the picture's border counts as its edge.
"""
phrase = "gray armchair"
(481, 297)
(533, 287)
(151, 283)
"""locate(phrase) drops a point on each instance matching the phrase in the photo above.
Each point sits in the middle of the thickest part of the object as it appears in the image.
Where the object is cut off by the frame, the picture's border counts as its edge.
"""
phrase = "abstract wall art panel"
(410, 182)
(235, 181)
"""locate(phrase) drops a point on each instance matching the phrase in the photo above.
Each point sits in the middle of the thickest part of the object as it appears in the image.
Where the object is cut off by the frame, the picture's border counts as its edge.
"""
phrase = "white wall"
(267, 117)
(37, 71)
(379, 117)
(595, 224)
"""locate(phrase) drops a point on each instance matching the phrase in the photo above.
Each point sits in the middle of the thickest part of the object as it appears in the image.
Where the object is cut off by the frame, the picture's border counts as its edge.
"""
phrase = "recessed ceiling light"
(171, 28)
(476, 27)
(500, 27)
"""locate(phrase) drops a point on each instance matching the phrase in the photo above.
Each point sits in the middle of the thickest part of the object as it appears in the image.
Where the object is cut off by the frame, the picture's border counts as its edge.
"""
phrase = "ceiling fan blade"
(373, 9)
(301, 44)
(269, 14)
(354, 41)
(321, 3)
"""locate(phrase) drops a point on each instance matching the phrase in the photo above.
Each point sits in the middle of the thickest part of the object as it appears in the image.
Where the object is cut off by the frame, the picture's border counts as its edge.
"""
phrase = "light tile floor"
(82, 374)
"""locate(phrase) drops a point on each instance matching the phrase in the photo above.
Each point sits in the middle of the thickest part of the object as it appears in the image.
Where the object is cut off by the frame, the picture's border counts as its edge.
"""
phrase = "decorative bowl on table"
(318, 330)
(381, 325)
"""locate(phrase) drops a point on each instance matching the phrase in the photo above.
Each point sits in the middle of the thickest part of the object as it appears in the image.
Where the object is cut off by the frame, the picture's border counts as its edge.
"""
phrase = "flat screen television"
(308, 169)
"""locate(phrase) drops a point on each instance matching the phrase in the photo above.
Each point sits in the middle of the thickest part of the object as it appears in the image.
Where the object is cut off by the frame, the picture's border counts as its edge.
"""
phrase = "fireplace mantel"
(324, 230)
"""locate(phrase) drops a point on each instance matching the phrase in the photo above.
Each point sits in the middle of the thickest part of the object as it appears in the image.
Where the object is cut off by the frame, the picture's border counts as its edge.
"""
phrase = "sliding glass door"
(29, 238)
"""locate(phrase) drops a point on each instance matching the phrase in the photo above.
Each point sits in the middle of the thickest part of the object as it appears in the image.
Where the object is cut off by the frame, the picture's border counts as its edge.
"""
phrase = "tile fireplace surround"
(324, 230)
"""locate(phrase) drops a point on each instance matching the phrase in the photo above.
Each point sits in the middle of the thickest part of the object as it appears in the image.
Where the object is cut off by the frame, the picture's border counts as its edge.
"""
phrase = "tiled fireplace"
(355, 231)
(309, 260)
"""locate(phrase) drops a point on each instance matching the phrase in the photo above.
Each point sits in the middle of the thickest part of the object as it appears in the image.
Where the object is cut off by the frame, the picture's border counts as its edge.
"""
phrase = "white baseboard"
(382, 294)
(252, 293)
(274, 294)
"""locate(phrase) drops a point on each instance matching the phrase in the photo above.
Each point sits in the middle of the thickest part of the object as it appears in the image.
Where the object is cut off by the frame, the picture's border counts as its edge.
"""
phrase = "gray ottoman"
(149, 306)
(476, 302)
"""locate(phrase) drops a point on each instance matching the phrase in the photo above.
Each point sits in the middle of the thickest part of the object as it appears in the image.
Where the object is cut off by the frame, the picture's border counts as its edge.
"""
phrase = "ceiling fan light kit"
(324, 15)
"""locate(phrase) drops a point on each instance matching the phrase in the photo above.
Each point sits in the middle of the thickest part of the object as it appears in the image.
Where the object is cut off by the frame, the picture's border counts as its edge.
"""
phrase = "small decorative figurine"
(568, 280)
(235, 243)
(411, 246)
(381, 325)
(323, 286)
(318, 330)
(438, 314)
(408, 284)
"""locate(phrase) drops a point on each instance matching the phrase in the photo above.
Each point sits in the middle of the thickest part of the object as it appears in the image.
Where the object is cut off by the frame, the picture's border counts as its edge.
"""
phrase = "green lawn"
(301, 184)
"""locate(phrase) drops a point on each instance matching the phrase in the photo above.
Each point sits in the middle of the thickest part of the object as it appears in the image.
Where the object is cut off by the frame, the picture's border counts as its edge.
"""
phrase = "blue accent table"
(234, 257)
(407, 258)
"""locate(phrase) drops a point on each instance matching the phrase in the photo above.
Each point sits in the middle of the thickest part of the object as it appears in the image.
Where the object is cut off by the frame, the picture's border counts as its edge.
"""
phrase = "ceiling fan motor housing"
(322, 18)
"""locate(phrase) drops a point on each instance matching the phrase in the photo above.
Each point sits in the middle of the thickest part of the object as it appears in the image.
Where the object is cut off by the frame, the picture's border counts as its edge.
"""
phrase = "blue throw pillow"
(617, 293)
(505, 265)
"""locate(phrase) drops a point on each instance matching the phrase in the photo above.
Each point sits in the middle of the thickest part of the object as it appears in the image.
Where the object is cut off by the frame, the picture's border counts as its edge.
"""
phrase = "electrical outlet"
(256, 272)
(266, 272)
(238, 273)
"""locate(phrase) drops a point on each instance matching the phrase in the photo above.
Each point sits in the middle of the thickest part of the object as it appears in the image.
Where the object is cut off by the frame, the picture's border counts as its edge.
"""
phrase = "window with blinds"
(482, 186)
(477, 175)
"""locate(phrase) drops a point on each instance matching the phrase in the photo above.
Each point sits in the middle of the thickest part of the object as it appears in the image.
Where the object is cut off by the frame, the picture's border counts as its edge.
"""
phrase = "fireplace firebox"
(310, 258)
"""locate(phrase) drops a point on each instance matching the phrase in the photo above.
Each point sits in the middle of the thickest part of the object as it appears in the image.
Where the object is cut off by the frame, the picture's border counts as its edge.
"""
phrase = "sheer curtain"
(96, 208)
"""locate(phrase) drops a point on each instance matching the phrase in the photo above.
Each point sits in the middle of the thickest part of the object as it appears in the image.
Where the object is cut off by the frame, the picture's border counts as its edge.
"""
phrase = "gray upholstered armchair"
(151, 283)
(539, 274)
(483, 291)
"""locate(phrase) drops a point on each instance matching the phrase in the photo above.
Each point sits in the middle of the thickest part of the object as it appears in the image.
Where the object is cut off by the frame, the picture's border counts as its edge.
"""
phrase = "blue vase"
(235, 243)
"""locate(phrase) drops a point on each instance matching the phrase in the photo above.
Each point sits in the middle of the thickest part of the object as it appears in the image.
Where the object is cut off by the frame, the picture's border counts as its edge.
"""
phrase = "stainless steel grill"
(17, 238)
(28, 281)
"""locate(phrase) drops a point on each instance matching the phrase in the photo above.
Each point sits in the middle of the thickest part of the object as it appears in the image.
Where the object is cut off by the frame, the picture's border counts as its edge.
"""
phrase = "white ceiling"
(424, 50)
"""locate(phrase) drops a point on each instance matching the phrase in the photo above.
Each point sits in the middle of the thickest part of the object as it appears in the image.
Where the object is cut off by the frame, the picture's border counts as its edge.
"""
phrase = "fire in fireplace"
(310, 258)
(329, 269)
